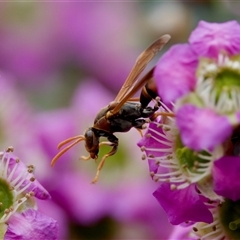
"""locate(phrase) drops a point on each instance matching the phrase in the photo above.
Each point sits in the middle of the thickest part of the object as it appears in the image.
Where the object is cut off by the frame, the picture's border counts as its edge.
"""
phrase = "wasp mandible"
(124, 112)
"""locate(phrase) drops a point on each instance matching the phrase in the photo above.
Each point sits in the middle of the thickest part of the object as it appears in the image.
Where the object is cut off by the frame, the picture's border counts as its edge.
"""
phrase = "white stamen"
(15, 184)
(162, 150)
(6, 167)
(228, 100)
(221, 59)
(14, 208)
(19, 179)
(166, 107)
(236, 65)
(12, 172)
(160, 135)
(213, 230)
(177, 173)
(25, 187)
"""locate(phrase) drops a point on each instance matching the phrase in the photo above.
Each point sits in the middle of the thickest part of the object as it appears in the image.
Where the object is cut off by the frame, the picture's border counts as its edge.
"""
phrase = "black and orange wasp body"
(124, 112)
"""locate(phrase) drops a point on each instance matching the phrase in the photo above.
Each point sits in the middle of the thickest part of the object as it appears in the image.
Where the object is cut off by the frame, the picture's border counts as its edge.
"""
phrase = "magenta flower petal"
(153, 142)
(208, 39)
(39, 191)
(226, 172)
(175, 72)
(202, 128)
(33, 185)
(31, 224)
(182, 205)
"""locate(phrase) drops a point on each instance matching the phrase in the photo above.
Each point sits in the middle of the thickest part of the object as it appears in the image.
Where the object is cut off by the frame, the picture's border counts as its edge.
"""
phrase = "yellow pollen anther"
(148, 135)
(152, 174)
(195, 229)
(10, 149)
(143, 148)
(6, 211)
(32, 179)
(234, 224)
(31, 194)
(166, 129)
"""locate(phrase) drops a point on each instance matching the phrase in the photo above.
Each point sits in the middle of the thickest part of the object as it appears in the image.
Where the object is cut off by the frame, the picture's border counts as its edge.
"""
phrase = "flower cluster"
(19, 218)
(194, 153)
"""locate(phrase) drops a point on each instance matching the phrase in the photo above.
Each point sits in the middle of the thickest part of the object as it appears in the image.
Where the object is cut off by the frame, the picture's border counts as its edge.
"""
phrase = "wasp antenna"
(64, 150)
(165, 38)
(79, 137)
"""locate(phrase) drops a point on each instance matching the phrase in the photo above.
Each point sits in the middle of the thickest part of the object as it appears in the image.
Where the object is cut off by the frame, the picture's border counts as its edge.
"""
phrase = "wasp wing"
(131, 85)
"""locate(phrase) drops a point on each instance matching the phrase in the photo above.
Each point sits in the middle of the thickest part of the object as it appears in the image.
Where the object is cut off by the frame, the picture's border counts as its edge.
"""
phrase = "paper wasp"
(124, 112)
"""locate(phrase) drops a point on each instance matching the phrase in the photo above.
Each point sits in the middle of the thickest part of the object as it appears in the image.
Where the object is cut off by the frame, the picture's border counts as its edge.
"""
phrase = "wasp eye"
(88, 134)
(91, 143)
(89, 138)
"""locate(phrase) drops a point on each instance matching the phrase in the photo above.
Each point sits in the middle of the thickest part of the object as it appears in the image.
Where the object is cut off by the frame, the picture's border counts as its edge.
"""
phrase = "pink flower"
(208, 40)
(31, 224)
(196, 141)
(225, 173)
(202, 128)
(19, 187)
(192, 205)
(180, 80)
(155, 138)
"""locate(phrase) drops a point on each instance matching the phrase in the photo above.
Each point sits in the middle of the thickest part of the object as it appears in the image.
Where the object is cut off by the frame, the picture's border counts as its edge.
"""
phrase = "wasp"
(124, 112)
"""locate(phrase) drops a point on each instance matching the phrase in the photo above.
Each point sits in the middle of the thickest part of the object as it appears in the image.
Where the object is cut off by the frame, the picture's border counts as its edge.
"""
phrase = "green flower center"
(189, 160)
(230, 218)
(218, 83)
(227, 80)
(6, 197)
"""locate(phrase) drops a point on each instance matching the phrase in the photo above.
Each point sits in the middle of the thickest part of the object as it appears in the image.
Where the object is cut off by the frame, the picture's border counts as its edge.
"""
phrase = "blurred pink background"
(60, 63)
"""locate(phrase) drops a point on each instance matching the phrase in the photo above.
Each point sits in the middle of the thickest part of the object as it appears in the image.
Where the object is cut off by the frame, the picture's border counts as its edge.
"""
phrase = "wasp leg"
(140, 131)
(113, 141)
(105, 143)
(100, 165)
(85, 158)
(135, 99)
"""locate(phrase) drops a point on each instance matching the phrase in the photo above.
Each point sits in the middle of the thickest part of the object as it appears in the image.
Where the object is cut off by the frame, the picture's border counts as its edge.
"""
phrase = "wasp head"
(92, 143)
